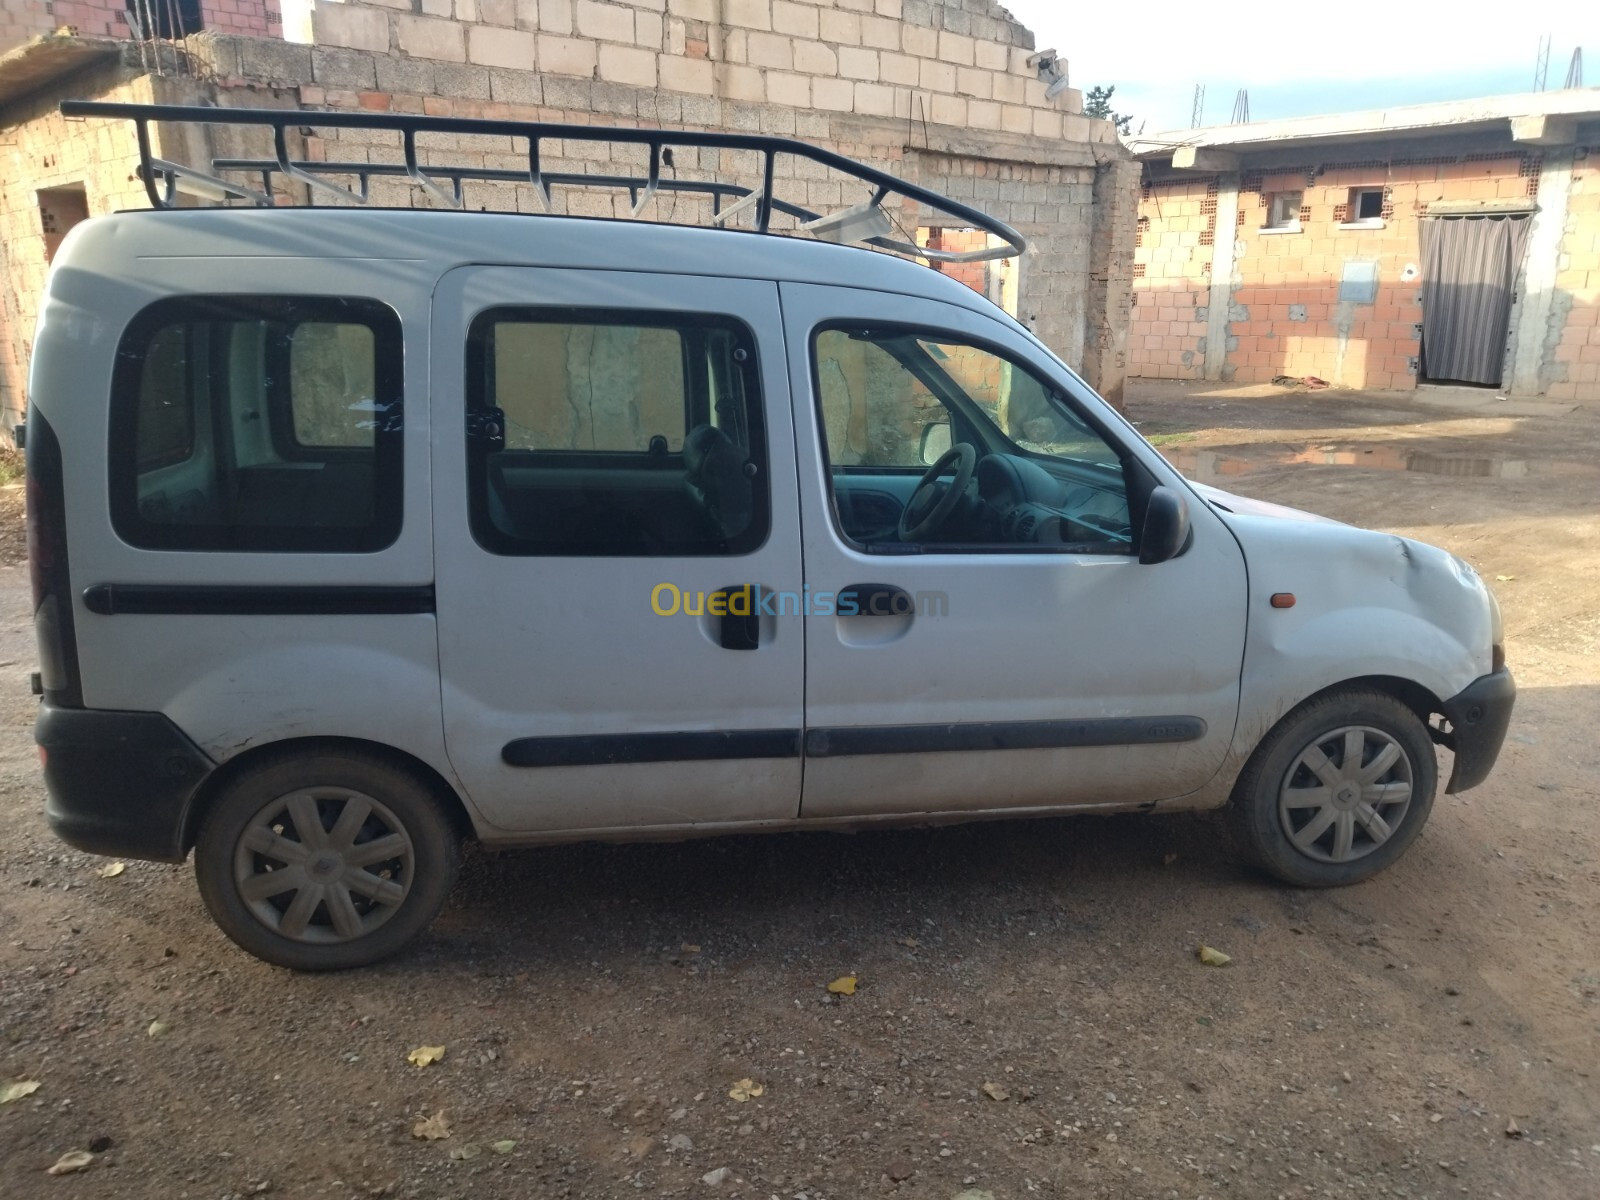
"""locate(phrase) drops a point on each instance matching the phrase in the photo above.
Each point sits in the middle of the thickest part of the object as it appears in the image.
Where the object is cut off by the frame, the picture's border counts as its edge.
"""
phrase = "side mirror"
(1166, 527)
(935, 442)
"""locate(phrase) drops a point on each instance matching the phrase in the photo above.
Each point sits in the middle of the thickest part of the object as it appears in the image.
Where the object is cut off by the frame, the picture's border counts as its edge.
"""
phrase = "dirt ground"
(1031, 1019)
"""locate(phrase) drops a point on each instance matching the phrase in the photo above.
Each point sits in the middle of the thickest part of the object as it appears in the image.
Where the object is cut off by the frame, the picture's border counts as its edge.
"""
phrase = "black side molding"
(847, 741)
(247, 600)
(605, 749)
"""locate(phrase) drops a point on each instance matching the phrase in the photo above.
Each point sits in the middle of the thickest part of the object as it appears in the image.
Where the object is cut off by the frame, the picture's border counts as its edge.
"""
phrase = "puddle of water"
(1206, 465)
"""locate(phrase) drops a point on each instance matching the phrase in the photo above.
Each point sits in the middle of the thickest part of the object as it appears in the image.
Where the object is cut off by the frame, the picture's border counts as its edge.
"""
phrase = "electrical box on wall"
(1358, 283)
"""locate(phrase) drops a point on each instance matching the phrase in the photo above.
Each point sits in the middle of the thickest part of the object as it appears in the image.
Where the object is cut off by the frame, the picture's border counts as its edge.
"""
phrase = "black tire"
(403, 850)
(1275, 799)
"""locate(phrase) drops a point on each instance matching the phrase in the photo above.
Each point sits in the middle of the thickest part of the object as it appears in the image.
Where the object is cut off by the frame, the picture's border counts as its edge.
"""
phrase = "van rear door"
(614, 499)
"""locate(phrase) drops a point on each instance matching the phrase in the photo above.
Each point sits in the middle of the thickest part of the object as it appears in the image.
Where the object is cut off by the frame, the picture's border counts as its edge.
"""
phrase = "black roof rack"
(868, 223)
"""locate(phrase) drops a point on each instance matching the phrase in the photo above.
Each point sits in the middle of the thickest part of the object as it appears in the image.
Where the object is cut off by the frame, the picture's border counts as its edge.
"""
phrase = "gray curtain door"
(1469, 265)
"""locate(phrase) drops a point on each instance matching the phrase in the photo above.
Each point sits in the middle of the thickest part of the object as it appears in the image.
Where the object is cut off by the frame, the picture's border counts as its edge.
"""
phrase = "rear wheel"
(1338, 790)
(325, 861)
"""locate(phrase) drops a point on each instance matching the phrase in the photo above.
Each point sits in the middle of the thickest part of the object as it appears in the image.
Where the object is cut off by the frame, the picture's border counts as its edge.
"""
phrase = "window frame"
(699, 405)
(1137, 479)
(212, 417)
(1289, 224)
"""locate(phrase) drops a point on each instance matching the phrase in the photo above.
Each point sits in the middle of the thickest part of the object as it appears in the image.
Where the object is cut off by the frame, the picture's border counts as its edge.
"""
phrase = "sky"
(1300, 60)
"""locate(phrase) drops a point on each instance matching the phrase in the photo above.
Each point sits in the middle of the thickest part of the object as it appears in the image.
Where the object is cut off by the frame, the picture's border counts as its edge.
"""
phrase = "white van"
(357, 532)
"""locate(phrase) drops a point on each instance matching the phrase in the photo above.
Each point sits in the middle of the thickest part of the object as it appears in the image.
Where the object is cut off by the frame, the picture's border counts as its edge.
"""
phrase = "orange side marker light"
(1283, 600)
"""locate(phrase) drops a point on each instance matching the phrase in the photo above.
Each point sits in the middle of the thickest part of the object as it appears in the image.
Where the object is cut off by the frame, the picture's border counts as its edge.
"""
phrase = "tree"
(1098, 104)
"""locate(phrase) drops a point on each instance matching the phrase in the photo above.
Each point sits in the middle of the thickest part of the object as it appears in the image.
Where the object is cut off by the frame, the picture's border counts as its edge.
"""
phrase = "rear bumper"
(1478, 716)
(119, 783)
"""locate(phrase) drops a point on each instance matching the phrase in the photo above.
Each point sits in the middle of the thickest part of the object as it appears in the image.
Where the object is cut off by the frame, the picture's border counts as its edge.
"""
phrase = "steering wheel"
(927, 511)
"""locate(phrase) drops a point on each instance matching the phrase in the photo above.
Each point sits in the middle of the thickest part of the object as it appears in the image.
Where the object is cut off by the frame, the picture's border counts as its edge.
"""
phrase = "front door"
(989, 639)
(614, 463)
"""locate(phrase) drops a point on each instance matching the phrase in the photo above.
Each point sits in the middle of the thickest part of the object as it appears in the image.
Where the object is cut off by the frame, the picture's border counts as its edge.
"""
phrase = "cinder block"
(880, 33)
(555, 16)
(334, 25)
(512, 86)
(841, 28)
(462, 82)
(415, 75)
(797, 20)
(857, 63)
(266, 58)
(604, 22)
(694, 75)
(738, 83)
(899, 68)
(628, 64)
(875, 100)
(814, 58)
(833, 95)
(920, 42)
(497, 12)
(770, 50)
(751, 14)
(566, 56)
(954, 48)
(344, 68)
(426, 37)
(493, 46)
(792, 90)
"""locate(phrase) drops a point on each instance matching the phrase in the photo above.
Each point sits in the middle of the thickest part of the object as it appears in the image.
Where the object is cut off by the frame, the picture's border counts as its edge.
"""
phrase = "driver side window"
(896, 403)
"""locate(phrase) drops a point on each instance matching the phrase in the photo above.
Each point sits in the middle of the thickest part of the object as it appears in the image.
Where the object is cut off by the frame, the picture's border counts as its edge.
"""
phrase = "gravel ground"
(1030, 1017)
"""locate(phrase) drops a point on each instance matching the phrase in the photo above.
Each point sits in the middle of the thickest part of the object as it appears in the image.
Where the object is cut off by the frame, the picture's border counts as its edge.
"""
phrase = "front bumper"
(119, 783)
(1478, 716)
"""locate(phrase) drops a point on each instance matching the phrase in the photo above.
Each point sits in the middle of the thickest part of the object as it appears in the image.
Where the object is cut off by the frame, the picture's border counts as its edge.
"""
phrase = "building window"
(1366, 204)
(1283, 210)
(59, 210)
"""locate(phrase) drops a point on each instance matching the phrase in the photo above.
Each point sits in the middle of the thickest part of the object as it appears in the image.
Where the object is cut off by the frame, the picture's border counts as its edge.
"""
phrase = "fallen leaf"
(717, 1177)
(745, 1089)
(431, 1129)
(71, 1161)
(845, 985)
(112, 871)
(1504, 578)
(912, 942)
(18, 1089)
(1513, 1130)
(423, 1055)
(158, 1029)
(995, 1092)
(462, 1153)
(505, 1146)
(1211, 958)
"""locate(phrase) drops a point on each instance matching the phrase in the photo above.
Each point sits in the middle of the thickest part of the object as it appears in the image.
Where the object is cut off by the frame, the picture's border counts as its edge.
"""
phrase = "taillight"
(47, 566)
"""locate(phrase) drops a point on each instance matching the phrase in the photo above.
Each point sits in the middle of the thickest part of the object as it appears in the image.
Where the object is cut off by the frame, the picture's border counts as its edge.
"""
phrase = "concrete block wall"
(23, 19)
(1283, 315)
(948, 62)
(1573, 371)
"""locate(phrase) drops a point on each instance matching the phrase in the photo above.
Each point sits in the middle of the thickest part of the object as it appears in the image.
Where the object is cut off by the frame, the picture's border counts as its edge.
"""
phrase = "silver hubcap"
(324, 865)
(1346, 794)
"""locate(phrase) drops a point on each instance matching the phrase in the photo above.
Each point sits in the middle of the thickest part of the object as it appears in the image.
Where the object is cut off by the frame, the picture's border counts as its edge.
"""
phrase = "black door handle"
(874, 600)
(740, 627)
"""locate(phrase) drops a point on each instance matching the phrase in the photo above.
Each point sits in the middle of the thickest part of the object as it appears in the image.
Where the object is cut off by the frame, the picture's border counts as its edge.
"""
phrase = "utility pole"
(1241, 108)
(1575, 70)
(1199, 106)
(1541, 65)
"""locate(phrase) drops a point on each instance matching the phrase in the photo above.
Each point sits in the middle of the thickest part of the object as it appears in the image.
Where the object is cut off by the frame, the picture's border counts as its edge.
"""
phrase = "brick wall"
(1284, 311)
(1171, 279)
(1575, 357)
(39, 152)
(961, 63)
(24, 19)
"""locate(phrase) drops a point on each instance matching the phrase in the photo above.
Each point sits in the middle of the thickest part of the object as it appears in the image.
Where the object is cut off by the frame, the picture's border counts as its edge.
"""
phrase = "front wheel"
(1337, 791)
(325, 861)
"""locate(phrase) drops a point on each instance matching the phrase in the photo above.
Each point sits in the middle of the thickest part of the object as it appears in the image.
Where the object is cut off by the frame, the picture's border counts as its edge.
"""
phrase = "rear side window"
(258, 423)
(591, 434)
